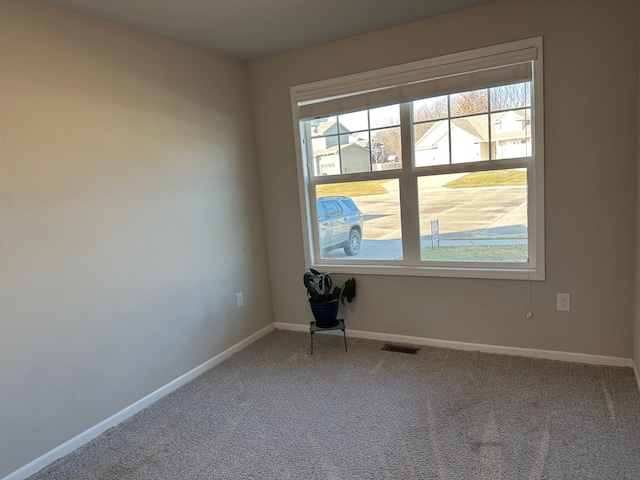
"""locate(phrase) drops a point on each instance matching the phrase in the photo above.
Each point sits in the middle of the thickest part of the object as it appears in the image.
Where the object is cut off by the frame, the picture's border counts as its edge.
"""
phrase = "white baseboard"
(88, 435)
(518, 351)
(296, 327)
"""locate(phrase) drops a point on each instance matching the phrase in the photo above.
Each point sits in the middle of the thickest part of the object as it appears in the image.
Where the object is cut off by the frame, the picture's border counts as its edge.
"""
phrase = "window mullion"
(410, 212)
(310, 213)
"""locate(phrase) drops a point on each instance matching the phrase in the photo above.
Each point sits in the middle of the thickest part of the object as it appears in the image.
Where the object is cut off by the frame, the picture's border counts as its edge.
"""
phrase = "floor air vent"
(400, 349)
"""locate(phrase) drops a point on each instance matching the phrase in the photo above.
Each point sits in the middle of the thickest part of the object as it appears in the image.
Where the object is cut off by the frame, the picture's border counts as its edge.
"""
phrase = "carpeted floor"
(272, 411)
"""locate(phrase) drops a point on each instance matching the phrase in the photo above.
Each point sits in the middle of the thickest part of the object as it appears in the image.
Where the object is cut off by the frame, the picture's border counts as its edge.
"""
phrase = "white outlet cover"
(563, 302)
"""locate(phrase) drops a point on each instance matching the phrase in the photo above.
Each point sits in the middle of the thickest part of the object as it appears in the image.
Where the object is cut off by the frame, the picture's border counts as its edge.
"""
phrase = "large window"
(428, 168)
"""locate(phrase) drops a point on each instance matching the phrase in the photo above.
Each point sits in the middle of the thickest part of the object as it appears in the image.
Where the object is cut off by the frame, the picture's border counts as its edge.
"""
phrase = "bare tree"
(386, 143)
(469, 103)
(431, 109)
(510, 97)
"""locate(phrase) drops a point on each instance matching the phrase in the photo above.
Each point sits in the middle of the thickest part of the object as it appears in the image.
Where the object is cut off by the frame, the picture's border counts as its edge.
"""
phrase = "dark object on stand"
(323, 300)
(313, 328)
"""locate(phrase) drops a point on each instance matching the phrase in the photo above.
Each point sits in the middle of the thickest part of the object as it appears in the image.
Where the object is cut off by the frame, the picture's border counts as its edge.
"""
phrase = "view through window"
(445, 181)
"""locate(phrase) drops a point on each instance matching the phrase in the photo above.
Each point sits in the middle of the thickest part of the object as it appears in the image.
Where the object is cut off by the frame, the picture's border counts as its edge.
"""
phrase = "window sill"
(511, 273)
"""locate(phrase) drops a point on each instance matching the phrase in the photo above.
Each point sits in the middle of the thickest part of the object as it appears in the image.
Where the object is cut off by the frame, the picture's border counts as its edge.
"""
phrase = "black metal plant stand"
(340, 326)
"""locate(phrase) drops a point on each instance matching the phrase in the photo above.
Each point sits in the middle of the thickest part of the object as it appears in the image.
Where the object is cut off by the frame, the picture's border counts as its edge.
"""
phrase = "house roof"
(474, 126)
(334, 150)
(322, 128)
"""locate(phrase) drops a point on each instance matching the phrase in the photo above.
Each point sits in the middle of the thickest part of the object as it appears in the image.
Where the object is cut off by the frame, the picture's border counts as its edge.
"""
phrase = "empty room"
(188, 186)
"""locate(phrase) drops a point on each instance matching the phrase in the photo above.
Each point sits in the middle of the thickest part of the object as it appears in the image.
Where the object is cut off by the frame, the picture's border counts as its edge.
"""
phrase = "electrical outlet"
(563, 302)
(239, 299)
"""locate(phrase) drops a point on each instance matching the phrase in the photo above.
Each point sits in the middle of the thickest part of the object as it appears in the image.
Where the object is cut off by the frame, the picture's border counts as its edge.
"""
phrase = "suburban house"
(350, 157)
(151, 222)
(336, 150)
(510, 137)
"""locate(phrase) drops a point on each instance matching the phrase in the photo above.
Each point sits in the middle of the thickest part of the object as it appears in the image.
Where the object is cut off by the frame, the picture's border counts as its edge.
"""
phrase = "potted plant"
(324, 297)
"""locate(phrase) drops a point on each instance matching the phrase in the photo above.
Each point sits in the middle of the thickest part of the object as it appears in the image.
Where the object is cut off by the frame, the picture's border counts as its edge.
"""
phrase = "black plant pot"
(325, 313)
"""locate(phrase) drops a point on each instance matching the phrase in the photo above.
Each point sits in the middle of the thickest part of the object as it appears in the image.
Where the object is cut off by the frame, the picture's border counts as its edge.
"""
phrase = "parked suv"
(339, 225)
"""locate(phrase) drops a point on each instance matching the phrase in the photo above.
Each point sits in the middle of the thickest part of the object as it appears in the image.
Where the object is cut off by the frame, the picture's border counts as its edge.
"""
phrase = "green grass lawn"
(477, 253)
(353, 189)
(496, 178)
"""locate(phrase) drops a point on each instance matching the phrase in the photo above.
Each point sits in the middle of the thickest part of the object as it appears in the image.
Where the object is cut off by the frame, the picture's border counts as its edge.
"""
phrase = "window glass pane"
(431, 143)
(474, 217)
(468, 103)
(332, 208)
(388, 116)
(323, 127)
(470, 139)
(517, 95)
(321, 212)
(368, 224)
(511, 134)
(351, 122)
(386, 149)
(433, 108)
(326, 157)
(355, 156)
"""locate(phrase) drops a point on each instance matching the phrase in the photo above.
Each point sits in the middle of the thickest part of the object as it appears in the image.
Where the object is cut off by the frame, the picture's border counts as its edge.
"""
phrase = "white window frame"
(398, 84)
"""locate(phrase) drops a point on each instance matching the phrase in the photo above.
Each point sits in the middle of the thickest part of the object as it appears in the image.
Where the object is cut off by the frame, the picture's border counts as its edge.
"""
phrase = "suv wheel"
(353, 244)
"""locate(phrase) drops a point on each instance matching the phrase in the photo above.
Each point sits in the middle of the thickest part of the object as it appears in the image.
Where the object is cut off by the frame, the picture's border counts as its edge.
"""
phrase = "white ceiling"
(251, 29)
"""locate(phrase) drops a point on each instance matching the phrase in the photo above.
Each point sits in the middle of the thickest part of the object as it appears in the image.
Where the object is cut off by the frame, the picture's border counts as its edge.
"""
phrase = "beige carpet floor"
(273, 411)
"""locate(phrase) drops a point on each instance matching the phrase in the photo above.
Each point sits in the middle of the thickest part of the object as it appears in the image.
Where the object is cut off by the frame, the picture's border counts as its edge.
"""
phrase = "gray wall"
(636, 330)
(591, 74)
(130, 205)
(129, 218)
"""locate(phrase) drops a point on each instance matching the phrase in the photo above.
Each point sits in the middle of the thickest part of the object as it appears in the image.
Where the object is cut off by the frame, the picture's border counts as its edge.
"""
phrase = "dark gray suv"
(339, 224)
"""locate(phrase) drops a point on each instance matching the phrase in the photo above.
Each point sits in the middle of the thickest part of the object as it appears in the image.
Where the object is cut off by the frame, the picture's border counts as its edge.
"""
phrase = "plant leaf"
(349, 290)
